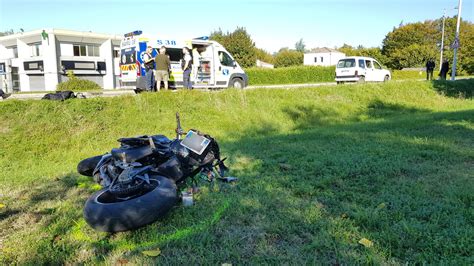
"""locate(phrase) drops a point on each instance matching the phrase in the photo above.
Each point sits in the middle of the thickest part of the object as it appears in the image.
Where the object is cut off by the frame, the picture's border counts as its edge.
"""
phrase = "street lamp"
(442, 42)
(456, 41)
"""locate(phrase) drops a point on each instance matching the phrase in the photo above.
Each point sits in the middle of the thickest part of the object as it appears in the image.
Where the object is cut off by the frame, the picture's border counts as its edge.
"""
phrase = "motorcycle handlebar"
(179, 130)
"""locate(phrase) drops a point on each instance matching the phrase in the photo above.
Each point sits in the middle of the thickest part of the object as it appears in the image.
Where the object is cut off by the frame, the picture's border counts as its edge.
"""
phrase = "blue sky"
(272, 24)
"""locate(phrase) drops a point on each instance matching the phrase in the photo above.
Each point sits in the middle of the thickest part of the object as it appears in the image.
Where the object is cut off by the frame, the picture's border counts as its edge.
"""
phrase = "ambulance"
(213, 66)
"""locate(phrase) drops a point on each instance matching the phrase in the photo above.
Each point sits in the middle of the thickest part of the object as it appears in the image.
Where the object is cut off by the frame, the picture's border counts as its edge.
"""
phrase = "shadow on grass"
(39, 217)
(463, 88)
(318, 191)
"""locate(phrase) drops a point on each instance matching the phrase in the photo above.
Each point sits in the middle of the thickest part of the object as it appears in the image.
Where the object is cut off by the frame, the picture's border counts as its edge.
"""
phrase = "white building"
(262, 64)
(38, 60)
(322, 57)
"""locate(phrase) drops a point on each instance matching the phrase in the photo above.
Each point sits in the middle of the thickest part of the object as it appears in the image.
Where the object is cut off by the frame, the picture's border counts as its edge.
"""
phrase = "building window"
(315, 59)
(86, 50)
(322, 59)
(35, 49)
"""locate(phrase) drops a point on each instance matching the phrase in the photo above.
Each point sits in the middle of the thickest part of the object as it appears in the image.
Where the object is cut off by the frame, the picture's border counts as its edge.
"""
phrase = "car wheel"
(237, 83)
(387, 78)
(361, 79)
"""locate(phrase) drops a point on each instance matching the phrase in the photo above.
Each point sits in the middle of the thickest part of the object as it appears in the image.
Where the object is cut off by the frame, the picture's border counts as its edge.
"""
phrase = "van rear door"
(203, 65)
(346, 68)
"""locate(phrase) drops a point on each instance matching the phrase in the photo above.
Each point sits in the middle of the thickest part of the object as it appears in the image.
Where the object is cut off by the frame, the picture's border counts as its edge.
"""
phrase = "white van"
(213, 66)
(360, 69)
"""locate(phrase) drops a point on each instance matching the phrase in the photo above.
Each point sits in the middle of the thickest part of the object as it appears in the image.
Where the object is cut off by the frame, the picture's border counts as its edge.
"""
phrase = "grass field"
(319, 169)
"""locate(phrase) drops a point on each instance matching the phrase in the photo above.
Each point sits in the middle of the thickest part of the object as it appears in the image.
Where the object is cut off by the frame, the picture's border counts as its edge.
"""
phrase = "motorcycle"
(139, 179)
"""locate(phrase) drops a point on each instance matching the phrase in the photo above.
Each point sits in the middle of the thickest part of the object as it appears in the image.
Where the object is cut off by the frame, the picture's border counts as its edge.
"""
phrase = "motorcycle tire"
(86, 167)
(104, 212)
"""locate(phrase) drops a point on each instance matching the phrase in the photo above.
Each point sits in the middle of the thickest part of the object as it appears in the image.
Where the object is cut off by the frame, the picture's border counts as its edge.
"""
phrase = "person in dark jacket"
(149, 66)
(186, 65)
(430, 66)
(444, 70)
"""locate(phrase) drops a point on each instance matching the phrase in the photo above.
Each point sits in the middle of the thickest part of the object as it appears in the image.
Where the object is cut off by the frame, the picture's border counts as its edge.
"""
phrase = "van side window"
(225, 59)
(368, 63)
(361, 63)
(377, 65)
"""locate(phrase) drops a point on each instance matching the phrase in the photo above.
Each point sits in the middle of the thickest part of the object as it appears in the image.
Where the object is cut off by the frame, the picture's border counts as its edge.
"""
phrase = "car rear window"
(346, 63)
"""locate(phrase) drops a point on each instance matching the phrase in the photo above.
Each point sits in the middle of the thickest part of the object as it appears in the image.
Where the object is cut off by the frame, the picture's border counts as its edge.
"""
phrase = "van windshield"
(346, 63)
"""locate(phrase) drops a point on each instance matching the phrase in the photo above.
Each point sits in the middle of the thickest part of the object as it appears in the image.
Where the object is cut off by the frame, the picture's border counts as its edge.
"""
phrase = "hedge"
(290, 75)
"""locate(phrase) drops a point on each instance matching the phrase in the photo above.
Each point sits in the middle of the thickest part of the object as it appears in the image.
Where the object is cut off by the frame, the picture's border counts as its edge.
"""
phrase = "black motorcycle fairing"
(172, 169)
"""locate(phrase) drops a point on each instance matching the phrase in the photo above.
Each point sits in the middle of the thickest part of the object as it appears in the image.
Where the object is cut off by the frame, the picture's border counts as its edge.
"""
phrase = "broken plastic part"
(229, 179)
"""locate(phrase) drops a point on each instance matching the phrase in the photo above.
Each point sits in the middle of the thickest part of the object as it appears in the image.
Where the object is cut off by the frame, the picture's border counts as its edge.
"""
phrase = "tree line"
(406, 46)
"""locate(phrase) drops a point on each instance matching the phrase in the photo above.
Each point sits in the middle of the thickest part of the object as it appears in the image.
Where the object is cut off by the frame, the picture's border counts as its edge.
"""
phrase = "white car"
(360, 69)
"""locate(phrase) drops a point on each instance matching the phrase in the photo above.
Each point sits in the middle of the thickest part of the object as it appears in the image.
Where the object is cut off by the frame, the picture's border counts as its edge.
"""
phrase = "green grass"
(411, 74)
(318, 168)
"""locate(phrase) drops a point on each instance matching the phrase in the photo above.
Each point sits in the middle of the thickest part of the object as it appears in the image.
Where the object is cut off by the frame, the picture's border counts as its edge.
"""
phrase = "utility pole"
(442, 42)
(456, 42)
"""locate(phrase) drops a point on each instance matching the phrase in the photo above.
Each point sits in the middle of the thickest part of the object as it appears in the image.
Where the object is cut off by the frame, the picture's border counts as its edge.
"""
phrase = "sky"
(272, 24)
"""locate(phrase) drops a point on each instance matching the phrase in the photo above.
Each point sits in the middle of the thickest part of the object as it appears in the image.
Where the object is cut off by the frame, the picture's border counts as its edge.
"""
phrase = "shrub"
(286, 58)
(77, 84)
(290, 75)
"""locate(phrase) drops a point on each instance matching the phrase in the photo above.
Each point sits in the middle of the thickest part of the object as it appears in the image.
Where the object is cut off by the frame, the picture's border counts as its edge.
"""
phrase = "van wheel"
(387, 78)
(361, 79)
(237, 83)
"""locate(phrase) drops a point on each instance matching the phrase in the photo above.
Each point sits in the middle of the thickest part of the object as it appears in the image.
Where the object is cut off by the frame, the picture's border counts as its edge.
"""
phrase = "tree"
(264, 56)
(300, 46)
(239, 44)
(410, 45)
(286, 58)
(374, 52)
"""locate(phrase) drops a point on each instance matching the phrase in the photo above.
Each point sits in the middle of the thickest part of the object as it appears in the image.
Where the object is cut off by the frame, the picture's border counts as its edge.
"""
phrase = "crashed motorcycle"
(139, 179)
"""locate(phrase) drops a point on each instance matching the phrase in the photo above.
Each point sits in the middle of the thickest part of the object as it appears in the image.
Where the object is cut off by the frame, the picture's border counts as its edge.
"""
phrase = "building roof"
(62, 35)
(324, 50)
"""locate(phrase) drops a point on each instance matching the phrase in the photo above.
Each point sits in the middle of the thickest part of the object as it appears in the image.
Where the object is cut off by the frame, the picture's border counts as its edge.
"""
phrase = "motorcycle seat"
(158, 140)
(131, 155)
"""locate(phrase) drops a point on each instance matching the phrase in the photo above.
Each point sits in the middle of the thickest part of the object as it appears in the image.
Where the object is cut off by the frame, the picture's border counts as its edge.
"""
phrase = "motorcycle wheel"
(86, 167)
(105, 212)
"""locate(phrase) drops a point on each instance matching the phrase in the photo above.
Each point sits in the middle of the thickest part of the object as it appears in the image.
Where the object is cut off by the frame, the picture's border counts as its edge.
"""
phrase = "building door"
(15, 79)
(37, 82)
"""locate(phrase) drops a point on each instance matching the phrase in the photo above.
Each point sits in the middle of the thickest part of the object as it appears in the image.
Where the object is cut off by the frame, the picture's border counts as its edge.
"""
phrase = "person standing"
(149, 66)
(444, 70)
(162, 62)
(430, 66)
(186, 65)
